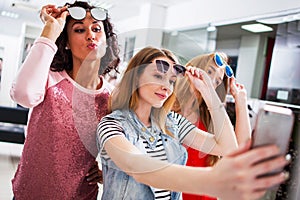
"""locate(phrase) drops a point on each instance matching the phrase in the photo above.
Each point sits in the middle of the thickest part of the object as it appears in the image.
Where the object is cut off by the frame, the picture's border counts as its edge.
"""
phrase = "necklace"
(149, 134)
(152, 133)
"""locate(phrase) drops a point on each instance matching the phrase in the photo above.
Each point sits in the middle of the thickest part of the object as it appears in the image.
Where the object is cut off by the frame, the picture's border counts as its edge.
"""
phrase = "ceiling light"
(211, 28)
(9, 14)
(256, 28)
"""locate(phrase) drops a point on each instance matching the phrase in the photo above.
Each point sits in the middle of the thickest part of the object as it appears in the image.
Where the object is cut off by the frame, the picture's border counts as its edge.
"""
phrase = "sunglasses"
(79, 13)
(221, 63)
(163, 66)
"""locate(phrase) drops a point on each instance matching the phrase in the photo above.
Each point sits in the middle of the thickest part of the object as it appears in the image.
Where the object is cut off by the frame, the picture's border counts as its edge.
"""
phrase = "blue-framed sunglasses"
(79, 13)
(163, 66)
(221, 63)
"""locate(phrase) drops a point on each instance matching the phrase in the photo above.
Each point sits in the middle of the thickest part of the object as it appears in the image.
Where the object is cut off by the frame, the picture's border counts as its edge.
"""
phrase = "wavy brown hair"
(63, 58)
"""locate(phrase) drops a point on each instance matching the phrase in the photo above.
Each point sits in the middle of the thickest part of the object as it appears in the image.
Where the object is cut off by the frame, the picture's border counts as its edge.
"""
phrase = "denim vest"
(119, 185)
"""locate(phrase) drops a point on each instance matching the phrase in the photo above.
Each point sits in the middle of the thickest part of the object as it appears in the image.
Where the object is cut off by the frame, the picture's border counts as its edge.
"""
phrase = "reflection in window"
(27, 46)
(187, 44)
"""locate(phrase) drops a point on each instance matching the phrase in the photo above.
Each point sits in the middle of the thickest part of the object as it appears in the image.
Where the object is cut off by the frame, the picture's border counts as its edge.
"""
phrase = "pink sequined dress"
(60, 145)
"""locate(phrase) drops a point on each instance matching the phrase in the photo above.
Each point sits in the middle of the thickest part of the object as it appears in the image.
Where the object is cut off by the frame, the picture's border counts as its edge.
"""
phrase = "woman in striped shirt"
(141, 141)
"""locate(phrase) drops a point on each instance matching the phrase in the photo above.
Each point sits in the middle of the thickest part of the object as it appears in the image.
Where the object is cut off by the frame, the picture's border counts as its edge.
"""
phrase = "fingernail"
(286, 175)
(288, 157)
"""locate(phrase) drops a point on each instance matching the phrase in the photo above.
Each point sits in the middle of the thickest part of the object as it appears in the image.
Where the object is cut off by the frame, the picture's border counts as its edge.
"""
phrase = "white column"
(151, 23)
(247, 58)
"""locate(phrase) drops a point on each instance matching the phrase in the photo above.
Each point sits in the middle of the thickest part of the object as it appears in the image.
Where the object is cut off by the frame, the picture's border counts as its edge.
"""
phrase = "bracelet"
(220, 106)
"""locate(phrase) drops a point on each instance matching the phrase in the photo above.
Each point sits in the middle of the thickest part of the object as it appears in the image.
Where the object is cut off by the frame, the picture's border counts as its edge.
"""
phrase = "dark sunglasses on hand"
(163, 66)
(221, 63)
(79, 13)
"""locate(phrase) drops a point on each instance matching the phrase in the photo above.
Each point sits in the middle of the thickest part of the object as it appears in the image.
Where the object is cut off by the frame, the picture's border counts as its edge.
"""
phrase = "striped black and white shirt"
(109, 128)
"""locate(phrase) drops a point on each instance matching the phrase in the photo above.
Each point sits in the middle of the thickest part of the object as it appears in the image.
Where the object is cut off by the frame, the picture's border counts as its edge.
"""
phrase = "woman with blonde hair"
(191, 105)
(141, 141)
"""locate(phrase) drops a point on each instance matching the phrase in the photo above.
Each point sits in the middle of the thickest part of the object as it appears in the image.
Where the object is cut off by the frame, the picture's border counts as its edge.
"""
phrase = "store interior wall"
(197, 13)
(153, 23)
(182, 28)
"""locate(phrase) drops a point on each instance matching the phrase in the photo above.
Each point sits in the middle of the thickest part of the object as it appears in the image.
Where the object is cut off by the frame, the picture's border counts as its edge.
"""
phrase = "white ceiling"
(119, 9)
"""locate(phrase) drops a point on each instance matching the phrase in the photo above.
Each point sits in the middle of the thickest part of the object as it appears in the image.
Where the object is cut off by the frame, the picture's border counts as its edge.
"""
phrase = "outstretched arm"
(233, 177)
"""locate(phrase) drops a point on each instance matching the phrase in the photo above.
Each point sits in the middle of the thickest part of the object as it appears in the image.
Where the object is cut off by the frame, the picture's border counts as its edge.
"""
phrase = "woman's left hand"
(94, 175)
(237, 90)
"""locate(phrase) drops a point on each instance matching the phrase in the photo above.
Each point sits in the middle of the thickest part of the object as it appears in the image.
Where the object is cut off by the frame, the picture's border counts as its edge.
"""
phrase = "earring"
(67, 48)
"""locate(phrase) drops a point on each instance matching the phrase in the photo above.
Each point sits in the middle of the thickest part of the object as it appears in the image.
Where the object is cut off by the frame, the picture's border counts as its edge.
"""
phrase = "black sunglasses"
(79, 13)
(163, 66)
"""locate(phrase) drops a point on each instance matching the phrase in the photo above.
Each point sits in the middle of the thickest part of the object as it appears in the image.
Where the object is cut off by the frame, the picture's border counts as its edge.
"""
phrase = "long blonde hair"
(125, 95)
(186, 92)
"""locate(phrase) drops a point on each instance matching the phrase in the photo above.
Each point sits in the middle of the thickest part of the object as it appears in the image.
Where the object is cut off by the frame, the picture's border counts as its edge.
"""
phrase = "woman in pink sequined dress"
(59, 81)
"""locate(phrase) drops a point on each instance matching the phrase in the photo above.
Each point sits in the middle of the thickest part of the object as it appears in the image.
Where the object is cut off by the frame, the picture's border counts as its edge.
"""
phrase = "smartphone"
(273, 125)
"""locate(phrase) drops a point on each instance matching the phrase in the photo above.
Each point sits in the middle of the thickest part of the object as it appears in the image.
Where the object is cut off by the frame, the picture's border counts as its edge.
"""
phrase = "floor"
(9, 158)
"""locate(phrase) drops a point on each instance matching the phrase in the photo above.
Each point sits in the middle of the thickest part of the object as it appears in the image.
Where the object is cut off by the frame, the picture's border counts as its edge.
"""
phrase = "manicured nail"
(286, 175)
(288, 157)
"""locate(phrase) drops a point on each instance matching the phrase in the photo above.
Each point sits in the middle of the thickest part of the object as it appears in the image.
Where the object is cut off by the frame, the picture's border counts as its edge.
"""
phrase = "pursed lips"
(92, 46)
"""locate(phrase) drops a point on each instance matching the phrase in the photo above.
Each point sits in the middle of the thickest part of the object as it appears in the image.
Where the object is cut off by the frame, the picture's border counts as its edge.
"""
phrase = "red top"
(197, 159)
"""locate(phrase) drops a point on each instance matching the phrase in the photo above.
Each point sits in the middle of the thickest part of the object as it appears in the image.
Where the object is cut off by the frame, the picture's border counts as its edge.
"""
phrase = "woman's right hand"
(236, 175)
(54, 19)
(202, 82)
